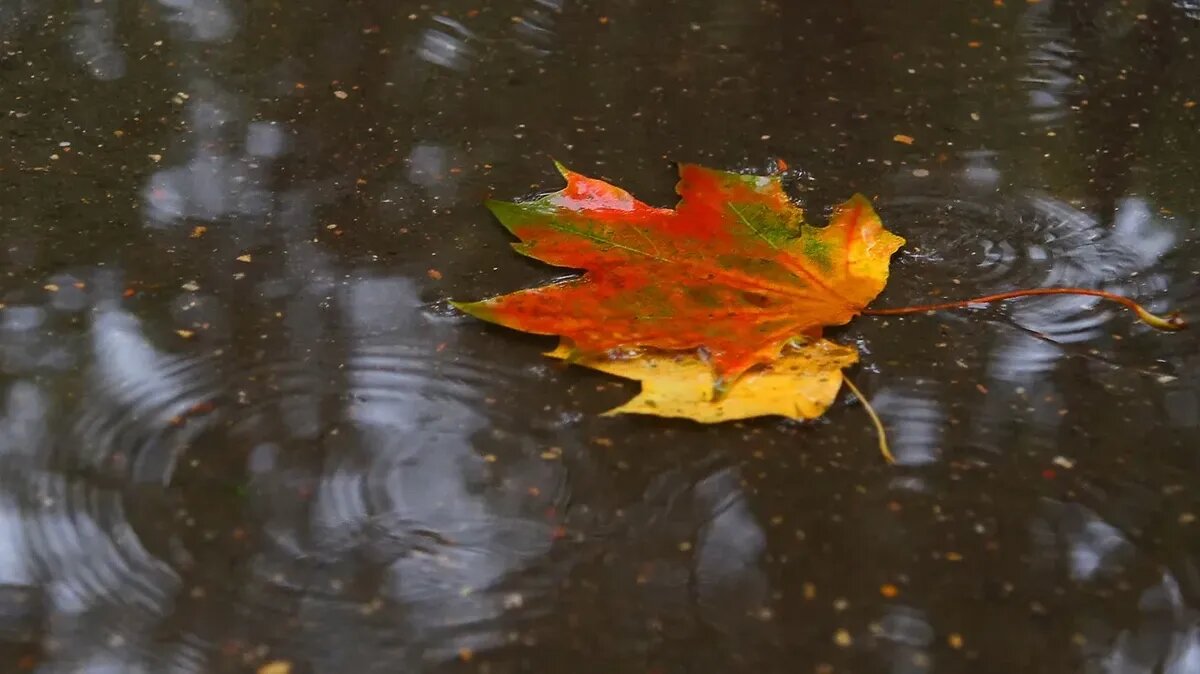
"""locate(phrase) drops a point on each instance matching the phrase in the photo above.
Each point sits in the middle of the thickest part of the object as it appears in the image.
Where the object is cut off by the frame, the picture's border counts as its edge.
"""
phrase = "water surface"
(241, 429)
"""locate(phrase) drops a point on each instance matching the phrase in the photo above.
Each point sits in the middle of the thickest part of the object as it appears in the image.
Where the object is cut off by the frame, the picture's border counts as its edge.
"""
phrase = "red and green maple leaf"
(733, 269)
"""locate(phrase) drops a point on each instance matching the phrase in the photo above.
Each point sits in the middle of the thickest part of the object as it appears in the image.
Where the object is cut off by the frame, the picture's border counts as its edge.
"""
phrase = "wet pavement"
(241, 429)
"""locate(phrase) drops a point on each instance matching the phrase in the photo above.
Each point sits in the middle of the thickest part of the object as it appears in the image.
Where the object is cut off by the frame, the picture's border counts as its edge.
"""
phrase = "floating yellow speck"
(842, 638)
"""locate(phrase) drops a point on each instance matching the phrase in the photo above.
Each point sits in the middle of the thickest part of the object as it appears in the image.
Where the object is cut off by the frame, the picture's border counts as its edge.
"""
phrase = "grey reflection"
(70, 295)
(536, 28)
(207, 188)
(205, 20)
(381, 306)
(265, 139)
(1076, 537)
(912, 411)
(980, 171)
(94, 42)
(1052, 78)
(1184, 657)
(446, 45)
(906, 625)
(23, 348)
(1165, 638)
(23, 436)
(215, 184)
(137, 388)
(910, 635)
(730, 582)
(126, 362)
(429, 167)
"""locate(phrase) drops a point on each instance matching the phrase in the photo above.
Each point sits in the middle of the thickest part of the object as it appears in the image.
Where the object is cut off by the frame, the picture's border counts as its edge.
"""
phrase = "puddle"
(240, 426)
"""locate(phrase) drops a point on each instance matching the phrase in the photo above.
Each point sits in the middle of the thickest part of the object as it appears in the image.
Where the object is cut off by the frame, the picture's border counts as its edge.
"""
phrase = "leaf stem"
(1171, 322)
(883, 443)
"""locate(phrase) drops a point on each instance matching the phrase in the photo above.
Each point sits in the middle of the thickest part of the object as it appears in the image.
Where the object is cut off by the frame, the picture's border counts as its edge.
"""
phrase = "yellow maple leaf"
(801, 384)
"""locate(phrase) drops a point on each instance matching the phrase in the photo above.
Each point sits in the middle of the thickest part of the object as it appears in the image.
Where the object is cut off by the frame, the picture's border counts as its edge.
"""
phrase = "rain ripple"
(979, 245)
(351, 488)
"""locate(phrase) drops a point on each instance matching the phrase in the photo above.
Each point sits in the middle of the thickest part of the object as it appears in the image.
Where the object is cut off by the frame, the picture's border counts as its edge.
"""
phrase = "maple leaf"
(801, 384)
(733, 269)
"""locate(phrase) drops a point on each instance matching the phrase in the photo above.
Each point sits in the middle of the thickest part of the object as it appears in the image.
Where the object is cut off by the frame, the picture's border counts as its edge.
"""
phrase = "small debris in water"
(955, 640)
(902, 138)
(341, 94)
(888, 590)
(198, 231)
(434, 274)
(921, 173)
(842, 638)
(1063, 462)
(244, 258)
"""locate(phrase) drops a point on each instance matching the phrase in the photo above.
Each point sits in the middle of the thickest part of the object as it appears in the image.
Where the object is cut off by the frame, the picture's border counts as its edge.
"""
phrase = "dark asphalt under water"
(241, 430)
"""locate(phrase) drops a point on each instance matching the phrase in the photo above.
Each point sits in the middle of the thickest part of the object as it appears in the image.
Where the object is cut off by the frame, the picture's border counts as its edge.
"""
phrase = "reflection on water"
(240, 425)
(95, 44)
(446, 44)
(1051, 78)
(203, 20)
